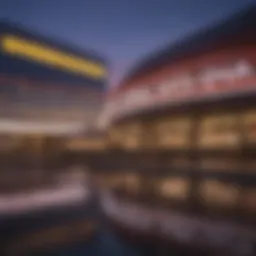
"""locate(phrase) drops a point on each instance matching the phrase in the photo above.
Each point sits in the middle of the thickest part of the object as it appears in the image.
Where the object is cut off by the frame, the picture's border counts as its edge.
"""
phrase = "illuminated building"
(48, 91)
(180, 166)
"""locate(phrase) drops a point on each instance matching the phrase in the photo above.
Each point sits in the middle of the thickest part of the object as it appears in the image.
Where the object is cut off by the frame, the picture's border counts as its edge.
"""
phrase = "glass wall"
(174, 133)
(218, 132)
(128, 136)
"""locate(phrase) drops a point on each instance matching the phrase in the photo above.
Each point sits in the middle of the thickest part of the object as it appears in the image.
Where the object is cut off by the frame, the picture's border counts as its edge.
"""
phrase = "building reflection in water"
(49, 92)
(180, 162)
(174, 165)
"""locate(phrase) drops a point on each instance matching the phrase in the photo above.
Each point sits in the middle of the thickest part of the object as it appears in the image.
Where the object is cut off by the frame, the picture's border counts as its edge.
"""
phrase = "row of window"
(211, 192)
(215, 131)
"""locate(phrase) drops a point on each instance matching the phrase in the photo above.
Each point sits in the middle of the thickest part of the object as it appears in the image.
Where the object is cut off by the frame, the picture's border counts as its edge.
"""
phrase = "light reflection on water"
(69, 189)
(104, 243)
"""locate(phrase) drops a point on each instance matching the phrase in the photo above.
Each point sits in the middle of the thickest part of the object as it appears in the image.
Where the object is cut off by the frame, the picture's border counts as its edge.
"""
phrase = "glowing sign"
(45, 55)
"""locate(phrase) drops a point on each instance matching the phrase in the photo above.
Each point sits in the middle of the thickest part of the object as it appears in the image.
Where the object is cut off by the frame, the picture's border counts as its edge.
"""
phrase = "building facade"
(43, 81)
(182, 124)
(48, 90)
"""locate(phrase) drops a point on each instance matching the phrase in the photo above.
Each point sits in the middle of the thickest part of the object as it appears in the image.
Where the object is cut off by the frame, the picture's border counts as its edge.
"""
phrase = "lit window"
(174, 132)
(219, 193)
(250, 200)
(132, 136)
(251, 165)
(250, 126)
(174, 188)
(219, 131)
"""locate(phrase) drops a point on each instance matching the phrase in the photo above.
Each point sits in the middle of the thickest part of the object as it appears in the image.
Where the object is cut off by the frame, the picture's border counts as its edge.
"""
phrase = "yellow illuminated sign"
(42, 54)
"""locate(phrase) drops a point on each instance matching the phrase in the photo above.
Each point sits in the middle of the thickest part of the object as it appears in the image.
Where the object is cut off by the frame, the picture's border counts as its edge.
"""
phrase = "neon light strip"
(42, 54)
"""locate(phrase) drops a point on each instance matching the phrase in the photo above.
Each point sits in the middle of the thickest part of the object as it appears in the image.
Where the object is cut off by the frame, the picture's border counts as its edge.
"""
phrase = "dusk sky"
(123, 31)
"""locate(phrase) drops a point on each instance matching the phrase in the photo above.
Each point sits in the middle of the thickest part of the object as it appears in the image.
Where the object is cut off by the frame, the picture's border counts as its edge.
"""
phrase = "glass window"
(213, 192)
(250, 127)
(219, 131)
(249, 200)
(116, 135)
(176, 188)
(251, 165)
(132, 136)
(174, 132)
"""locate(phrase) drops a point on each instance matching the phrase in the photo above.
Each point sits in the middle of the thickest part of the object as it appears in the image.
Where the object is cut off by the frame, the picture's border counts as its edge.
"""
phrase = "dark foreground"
(103, 242)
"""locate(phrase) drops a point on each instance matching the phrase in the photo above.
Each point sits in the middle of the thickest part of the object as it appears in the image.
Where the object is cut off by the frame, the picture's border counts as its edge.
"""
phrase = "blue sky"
(124, 31)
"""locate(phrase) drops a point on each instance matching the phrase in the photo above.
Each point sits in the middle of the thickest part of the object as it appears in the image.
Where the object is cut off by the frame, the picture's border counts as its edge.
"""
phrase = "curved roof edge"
(205, 37)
